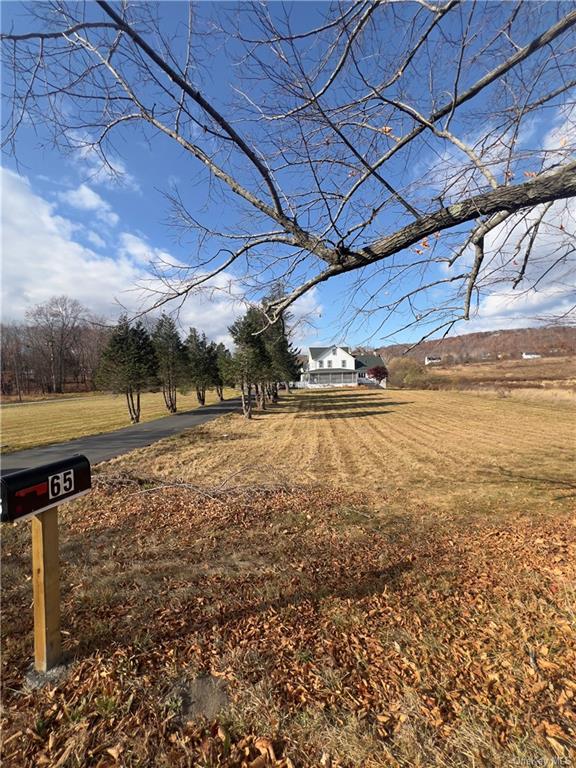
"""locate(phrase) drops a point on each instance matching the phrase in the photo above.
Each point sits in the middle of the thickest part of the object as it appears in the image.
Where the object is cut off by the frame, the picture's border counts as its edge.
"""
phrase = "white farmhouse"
(336, 366)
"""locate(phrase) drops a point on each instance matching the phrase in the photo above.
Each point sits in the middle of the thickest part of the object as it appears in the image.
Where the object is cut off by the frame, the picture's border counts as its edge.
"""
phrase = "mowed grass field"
(433, 447)
(44, 422)
(354, 579)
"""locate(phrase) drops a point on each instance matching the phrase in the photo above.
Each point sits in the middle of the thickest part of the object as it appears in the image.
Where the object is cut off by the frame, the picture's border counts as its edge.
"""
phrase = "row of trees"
(61, 346)
(264, 357)
(135, 361)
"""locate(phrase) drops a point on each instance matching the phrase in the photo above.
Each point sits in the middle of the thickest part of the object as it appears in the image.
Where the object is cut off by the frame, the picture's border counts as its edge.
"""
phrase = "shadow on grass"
(102, 633)
(511, 477)
(190, 596)
(349, 405)
(346, 414)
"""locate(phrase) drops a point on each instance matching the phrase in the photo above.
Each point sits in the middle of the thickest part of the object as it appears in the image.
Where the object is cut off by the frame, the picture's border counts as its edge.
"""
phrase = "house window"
(343, 363)
(320, 363)
(329, 362)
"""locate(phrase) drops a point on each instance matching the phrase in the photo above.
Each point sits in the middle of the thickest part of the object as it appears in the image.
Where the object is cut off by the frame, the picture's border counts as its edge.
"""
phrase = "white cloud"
(304, 312)
(99, 169)
(139, 250)
(212, 313)
(560, 139)
(95, 239)
(508, 309)
(42, 258)
(86, 199)
(548, 288)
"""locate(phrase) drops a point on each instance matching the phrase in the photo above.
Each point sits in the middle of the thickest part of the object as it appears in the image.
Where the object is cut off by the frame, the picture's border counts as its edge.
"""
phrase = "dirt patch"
(203, 697)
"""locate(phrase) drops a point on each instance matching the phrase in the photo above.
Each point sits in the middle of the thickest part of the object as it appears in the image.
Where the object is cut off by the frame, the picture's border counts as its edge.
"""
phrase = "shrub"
(409, 373)
(378, 373)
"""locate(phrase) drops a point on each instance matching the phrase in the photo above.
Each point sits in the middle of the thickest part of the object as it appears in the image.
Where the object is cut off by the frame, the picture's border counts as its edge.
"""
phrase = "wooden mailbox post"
(36, 493)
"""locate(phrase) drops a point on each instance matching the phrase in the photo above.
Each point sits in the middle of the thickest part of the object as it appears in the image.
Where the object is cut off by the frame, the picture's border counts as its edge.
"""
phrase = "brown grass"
(543, 394)
(398, 591)
(558, 372)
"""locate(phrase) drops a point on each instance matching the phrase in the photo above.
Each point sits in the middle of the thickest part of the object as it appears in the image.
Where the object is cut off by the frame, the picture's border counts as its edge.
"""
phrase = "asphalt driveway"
(110, 444)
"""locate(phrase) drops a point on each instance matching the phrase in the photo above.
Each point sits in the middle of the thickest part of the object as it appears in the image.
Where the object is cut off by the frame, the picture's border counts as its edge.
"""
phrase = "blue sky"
(72, 227)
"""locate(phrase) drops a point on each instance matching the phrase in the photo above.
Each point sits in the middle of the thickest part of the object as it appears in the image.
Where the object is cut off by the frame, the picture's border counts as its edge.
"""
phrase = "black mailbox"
(31, 491)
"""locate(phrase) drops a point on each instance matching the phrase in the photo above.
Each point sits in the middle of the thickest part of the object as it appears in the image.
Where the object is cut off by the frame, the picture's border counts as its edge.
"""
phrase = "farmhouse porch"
(331, 377)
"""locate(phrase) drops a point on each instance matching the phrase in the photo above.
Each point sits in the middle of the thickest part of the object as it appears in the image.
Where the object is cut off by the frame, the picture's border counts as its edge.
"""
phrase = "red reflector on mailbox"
(31, 491)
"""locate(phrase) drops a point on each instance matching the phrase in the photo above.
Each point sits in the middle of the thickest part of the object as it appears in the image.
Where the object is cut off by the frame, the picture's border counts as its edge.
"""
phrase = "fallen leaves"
(399, 630)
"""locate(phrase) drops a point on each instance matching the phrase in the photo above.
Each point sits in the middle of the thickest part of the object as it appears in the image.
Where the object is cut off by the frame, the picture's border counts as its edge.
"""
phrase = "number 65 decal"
(61, 484)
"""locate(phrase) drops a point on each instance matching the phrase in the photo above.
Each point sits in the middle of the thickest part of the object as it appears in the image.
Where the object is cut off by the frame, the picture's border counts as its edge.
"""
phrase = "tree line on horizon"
(61, 342)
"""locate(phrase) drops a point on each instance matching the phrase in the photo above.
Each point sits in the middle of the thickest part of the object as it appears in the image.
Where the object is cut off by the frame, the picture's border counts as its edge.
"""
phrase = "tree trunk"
(262, 397)
(52, 368)
(169, 394)
(18, 382)
(201, 395)
(130, 403)
(137, 414)
(220, 392)
(133, 407)
(247, 401)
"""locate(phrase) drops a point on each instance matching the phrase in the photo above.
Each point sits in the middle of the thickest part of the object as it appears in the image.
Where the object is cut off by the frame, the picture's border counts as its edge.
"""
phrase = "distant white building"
(429, 360)
(337, 367)
(530, 356)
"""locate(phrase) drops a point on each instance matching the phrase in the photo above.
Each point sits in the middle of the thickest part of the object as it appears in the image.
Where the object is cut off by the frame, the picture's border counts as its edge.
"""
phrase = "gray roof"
(368, 361)
(316, 352)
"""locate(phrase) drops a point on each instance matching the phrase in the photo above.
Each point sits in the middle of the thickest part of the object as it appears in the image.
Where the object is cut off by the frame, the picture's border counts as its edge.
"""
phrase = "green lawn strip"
(30, 426)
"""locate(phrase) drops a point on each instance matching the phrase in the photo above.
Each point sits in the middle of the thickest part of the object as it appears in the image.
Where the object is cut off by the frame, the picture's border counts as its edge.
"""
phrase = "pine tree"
(225, 372)
(202, 367)
(251, 361)
(128, 364)
(171, 356)
(284, 356)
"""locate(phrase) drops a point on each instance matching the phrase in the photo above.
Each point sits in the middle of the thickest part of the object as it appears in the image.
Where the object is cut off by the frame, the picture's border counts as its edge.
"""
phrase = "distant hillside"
(492, 345)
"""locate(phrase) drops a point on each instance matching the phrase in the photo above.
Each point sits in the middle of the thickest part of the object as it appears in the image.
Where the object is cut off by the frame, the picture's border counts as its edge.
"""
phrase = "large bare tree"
(54, 332)
(403, 142)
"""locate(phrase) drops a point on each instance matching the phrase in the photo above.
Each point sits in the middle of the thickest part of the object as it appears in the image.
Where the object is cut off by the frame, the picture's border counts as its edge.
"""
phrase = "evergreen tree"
(128, 364)
(284, 356)
(251, 361)
(171, 356)
(202, 366)
(225, 371)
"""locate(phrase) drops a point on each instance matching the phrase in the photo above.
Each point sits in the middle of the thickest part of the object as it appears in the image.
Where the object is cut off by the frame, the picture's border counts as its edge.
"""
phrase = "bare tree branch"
(386, 140)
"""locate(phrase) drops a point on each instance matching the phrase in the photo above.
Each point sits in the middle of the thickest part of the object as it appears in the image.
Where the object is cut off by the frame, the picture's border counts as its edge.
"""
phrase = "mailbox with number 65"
(36, 493)
(32, 491)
